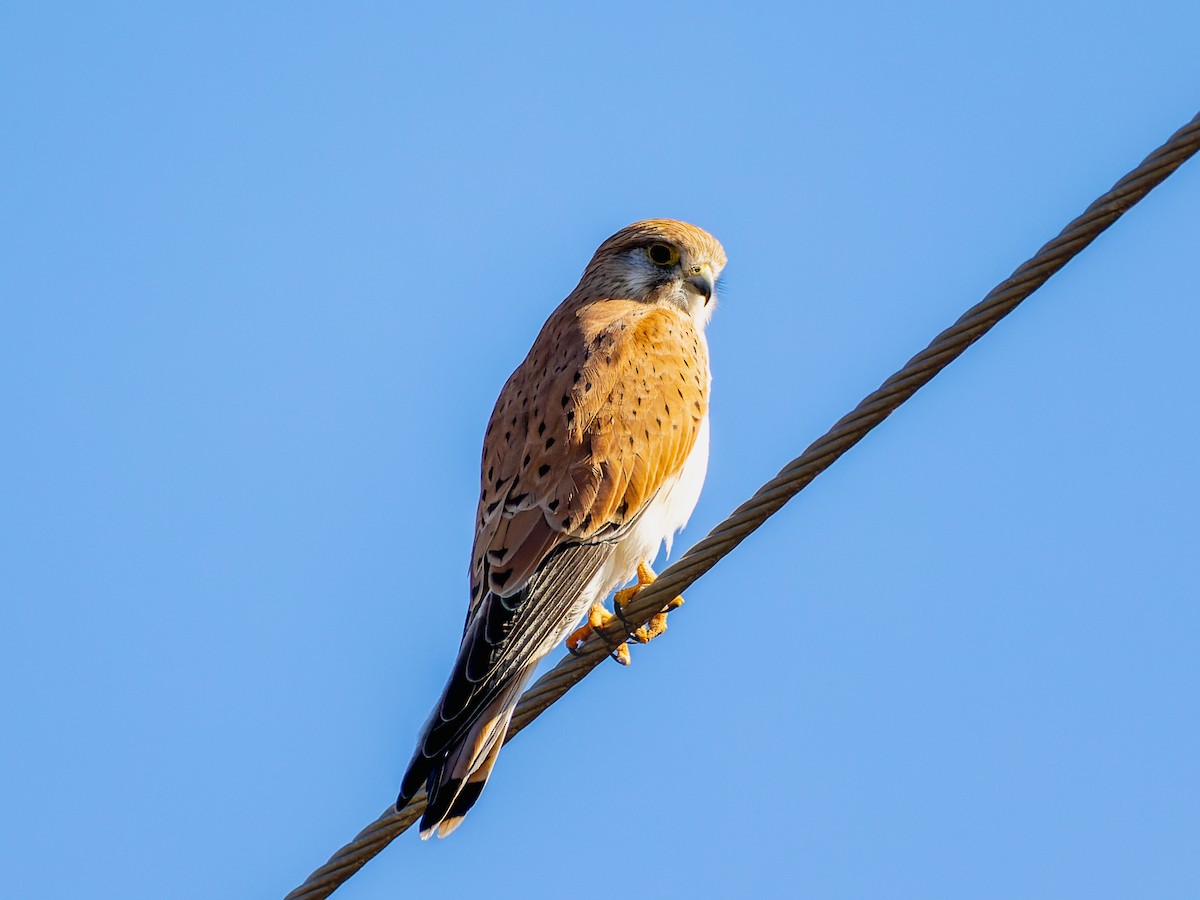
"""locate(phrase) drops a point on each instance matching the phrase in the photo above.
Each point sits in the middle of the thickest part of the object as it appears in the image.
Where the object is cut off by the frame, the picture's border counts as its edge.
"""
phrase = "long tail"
(455, 778)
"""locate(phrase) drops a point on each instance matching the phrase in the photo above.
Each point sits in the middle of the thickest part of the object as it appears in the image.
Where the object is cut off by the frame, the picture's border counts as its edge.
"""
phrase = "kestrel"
(594, 456)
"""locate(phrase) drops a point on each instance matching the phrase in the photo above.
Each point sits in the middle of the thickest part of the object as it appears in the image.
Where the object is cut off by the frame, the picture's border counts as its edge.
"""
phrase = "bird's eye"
(662, 254)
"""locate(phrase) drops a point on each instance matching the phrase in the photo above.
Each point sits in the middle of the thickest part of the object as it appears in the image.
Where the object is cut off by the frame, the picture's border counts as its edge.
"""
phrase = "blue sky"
(265, 269)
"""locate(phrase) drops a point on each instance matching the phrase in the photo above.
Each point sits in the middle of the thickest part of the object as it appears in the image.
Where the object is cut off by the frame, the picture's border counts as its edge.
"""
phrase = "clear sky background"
(265, 269)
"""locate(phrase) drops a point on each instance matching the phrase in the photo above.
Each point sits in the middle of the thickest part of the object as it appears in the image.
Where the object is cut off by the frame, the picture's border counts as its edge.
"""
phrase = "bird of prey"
(594, 456)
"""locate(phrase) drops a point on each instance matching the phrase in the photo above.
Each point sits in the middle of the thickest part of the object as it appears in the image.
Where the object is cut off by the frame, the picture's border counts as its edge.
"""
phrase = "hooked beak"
(701, 282)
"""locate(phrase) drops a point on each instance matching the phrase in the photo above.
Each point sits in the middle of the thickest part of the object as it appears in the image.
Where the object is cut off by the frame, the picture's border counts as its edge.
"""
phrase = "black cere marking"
(549, 443)
(544, 470)
(498, 578)
(552, 506)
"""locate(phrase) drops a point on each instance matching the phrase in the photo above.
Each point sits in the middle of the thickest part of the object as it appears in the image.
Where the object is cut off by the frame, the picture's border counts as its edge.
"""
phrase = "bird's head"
(658, 261)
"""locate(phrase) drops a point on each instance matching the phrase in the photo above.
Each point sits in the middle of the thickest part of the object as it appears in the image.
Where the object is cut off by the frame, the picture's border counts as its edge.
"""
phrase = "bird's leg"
(598, 618)
(658, 624)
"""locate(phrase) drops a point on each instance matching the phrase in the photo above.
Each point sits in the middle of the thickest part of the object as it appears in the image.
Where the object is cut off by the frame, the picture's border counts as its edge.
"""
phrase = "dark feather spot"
(549, 443)
(491, 508)
(624, 507)
(566, 523)
(587, 387)
(552, 506)
(518, 499)
(541, 428)
(525, 462)
(498, 578)
(498, 555)
(575, 378)
(587, 522)
(565, 400)
(544, 470)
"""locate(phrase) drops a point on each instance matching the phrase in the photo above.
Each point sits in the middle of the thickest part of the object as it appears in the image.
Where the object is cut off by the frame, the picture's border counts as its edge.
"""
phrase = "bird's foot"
(658, 624)
(598, 618)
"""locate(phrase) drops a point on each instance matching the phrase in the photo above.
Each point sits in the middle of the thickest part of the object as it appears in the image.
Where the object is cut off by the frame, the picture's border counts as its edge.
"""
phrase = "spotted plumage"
(594, 456)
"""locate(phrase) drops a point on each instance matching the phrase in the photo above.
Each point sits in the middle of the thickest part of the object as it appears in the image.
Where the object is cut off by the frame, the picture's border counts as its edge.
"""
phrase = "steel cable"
(847, 432)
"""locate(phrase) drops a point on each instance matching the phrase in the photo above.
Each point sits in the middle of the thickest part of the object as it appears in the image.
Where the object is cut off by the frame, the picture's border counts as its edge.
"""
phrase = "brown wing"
(601, 414)
(604, 410)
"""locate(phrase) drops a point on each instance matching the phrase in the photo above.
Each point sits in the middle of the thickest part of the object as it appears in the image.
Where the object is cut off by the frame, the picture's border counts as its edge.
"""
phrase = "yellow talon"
(658, 624)
(598, 618)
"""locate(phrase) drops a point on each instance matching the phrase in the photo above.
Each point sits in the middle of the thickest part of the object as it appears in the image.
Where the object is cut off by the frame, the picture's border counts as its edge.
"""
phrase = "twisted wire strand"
(793, 478)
